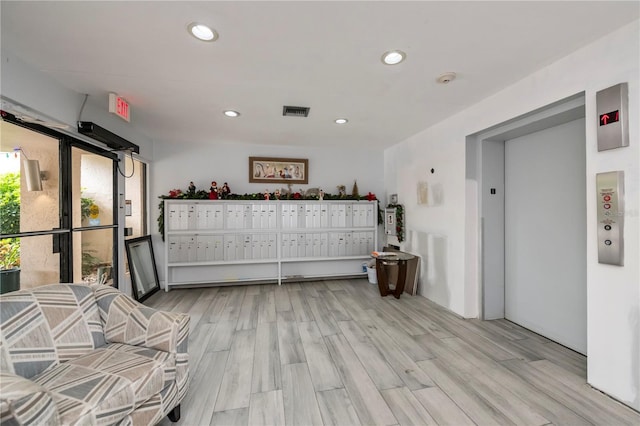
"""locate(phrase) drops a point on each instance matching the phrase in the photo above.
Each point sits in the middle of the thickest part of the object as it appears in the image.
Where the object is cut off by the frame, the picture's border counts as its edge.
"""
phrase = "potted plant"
(9, 265)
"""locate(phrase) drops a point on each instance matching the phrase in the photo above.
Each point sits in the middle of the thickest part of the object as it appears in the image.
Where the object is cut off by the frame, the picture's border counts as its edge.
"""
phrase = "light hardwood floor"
(336, 353)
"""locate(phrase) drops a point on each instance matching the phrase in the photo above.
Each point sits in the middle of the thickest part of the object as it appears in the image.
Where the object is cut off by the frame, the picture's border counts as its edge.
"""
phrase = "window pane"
(135, 204)
(92, 177)
(93, 256)
(30, 260)
(29, 200)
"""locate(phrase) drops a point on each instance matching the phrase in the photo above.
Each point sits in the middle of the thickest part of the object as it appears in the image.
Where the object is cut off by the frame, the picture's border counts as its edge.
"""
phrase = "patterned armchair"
(76, 354)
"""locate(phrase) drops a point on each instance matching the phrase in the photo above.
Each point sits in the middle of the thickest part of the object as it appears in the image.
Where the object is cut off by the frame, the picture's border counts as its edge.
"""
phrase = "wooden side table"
(399, 259)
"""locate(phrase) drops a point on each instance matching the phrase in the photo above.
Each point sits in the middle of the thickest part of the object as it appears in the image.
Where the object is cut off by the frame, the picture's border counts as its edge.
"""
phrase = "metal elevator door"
(545, 233)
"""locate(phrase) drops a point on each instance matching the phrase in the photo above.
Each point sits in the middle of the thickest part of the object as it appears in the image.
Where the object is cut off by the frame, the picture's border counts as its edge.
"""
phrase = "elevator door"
(545, 233)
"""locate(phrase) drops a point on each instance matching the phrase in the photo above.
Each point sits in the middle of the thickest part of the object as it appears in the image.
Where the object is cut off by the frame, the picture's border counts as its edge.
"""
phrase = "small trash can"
(373, 276)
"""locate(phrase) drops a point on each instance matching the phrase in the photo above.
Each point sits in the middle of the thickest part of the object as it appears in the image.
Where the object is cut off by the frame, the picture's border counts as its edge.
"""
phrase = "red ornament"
(371, 197)
(297, 196)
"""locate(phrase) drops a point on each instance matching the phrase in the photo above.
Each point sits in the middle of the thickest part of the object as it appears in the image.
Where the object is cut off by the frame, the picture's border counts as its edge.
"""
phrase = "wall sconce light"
(33, 175)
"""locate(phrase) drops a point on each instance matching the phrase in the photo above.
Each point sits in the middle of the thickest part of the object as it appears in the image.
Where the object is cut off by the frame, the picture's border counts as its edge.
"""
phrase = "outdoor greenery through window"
(9, 220)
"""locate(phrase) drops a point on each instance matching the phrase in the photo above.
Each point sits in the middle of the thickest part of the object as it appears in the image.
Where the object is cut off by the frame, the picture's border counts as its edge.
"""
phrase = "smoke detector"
(447, 77)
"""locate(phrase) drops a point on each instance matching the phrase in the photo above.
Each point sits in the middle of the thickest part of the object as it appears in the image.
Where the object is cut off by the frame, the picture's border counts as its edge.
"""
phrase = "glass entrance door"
(58, 220)
(94, 216)
(29, 208)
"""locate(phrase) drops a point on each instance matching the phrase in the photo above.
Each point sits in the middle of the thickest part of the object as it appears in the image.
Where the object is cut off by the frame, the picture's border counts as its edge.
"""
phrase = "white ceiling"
(325, 55)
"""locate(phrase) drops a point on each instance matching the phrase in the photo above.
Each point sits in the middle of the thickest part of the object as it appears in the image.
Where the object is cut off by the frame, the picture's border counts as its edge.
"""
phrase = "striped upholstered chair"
(76, 354)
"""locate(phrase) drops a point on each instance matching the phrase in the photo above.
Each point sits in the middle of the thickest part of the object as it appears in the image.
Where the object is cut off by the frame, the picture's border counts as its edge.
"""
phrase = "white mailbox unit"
(235, 241)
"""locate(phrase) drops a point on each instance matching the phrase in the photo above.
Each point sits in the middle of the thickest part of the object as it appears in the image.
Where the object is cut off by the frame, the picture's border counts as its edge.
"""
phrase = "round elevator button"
(607, 242)
(607, 227)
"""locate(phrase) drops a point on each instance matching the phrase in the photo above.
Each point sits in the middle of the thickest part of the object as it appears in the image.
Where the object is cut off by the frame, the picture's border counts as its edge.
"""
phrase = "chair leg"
(174, 415)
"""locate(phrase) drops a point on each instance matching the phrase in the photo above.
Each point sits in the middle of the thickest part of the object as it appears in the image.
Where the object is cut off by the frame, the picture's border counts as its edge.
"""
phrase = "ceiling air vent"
(295, 111)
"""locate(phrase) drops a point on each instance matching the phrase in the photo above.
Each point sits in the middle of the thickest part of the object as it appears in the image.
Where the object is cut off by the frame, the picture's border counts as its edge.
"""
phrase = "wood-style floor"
(336, 353)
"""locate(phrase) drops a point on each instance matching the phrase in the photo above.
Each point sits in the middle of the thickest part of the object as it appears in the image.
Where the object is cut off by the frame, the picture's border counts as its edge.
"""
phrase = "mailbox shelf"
(222, 242)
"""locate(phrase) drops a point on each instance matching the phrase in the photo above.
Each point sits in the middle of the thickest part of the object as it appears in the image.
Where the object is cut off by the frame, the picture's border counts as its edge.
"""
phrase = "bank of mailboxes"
(264, 216)
(265, 221)
(229, 247)
(323, 244)
(221, 216)
(319, 215)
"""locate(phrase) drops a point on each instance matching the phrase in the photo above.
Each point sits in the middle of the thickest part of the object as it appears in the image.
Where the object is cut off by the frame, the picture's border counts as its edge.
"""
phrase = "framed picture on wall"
(278, 170)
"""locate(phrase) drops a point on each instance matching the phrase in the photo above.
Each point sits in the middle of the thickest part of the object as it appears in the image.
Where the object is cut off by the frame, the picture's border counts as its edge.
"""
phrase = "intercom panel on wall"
(390, 221)
(610, 204)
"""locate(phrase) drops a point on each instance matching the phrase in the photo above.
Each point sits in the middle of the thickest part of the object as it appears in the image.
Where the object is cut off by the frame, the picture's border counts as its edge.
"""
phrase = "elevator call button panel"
(610, 204)
(613, 117)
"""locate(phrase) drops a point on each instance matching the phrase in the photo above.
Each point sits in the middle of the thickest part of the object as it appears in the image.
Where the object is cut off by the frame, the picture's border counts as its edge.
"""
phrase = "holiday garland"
(399, 220)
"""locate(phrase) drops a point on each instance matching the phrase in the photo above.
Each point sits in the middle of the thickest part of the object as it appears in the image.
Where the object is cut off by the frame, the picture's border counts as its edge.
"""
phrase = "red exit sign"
(119, 107)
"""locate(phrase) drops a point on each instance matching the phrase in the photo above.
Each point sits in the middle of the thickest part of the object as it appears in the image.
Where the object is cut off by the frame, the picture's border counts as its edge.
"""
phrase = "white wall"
(176, 164)
(407, 164)
(613, 292)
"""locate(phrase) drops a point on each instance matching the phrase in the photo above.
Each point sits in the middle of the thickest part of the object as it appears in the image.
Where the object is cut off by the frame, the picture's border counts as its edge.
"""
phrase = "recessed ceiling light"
(231, 113)
(341, 121)
(202, 32)
(393, 57)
